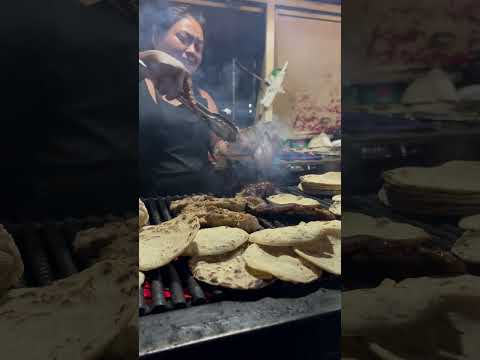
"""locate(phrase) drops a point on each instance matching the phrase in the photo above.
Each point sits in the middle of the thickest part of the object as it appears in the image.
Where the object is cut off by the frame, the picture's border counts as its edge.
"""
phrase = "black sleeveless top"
(173, 148)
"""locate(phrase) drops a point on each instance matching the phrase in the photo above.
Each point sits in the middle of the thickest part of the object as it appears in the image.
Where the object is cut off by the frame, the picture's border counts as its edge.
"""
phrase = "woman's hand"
(169, 75)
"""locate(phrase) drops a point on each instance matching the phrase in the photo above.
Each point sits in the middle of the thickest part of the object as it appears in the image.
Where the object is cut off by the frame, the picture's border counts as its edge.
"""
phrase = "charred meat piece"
(293, 211)
(212, 216)
(238, 204)
(261, 189)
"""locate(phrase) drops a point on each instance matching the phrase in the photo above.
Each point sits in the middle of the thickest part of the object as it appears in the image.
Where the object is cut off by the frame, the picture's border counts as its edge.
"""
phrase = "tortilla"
(282, 198)
(11, 264)
(470, 223)
(216, 241)
(282, 263)
(143, 217)
(444, 179)
(160, 244)
(467, 247)
(75, 318)
(227, 270)
(325, 255)
(327, 181)
(298, 234)
(356, 225)
(141, 278)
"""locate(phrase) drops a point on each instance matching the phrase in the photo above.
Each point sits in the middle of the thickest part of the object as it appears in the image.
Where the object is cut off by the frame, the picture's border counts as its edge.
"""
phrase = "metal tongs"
(220, 125)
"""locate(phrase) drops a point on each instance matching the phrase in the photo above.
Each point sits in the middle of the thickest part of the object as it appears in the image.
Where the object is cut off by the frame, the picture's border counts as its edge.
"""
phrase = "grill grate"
(174, 287)
(46, 247)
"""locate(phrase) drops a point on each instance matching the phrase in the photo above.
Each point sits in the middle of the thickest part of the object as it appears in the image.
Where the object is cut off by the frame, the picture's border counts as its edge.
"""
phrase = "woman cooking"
(174, 142)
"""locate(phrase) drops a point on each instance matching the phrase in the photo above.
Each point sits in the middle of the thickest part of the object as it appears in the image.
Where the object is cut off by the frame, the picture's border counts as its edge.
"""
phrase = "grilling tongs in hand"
(221, 126)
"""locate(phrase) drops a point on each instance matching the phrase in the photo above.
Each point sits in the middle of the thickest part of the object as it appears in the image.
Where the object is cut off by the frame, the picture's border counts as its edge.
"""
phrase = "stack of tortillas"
(282, 199)
(451, 189)
(330, 182)
(160, 244)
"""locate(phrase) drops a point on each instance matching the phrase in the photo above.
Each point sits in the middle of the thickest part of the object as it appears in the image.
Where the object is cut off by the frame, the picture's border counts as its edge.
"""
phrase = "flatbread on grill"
(160, 244)
(467, 247)
(228, 270)
(143, 217)
(282, 198)
(328, 181)
(75, 318)
(298, 234)
(11, 264)
(281, 262)
(444, 179)
(470, 223)
(326, 255)
(216, 241)
(361, 225)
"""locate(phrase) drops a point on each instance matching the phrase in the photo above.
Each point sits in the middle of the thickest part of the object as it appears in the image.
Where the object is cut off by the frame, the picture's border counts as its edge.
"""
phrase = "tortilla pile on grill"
(451, 189)
(470, 223)
(467, 247)
(75, 318)
(11, 264)
(228, 270)
(282, 198)
(281, 262)
(298, 234)
(315, 184)
(142, 214)
(325, 255)
(160, 244)
(216, 241)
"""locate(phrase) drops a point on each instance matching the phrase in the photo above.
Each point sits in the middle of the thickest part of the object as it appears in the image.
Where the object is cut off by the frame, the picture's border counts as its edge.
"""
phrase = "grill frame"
(281, 303)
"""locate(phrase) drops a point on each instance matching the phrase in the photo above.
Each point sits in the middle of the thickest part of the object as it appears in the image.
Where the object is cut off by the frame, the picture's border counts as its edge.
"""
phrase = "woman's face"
(184, 41)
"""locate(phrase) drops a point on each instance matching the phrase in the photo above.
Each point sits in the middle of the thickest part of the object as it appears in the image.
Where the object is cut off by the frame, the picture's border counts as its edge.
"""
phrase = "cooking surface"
(204, 312)
(174, 329)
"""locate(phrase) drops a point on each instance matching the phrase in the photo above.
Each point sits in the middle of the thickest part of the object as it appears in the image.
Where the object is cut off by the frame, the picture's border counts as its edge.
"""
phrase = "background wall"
(312, 48)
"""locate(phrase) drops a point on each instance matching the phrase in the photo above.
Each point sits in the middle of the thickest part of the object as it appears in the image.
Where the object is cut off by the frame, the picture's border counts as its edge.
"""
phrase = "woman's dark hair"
(157, 14)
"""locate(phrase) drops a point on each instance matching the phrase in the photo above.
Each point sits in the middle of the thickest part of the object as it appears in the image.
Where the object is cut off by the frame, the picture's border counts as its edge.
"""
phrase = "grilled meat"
(261, 189)
(238, 204)
(212, 216)
(293, 211)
